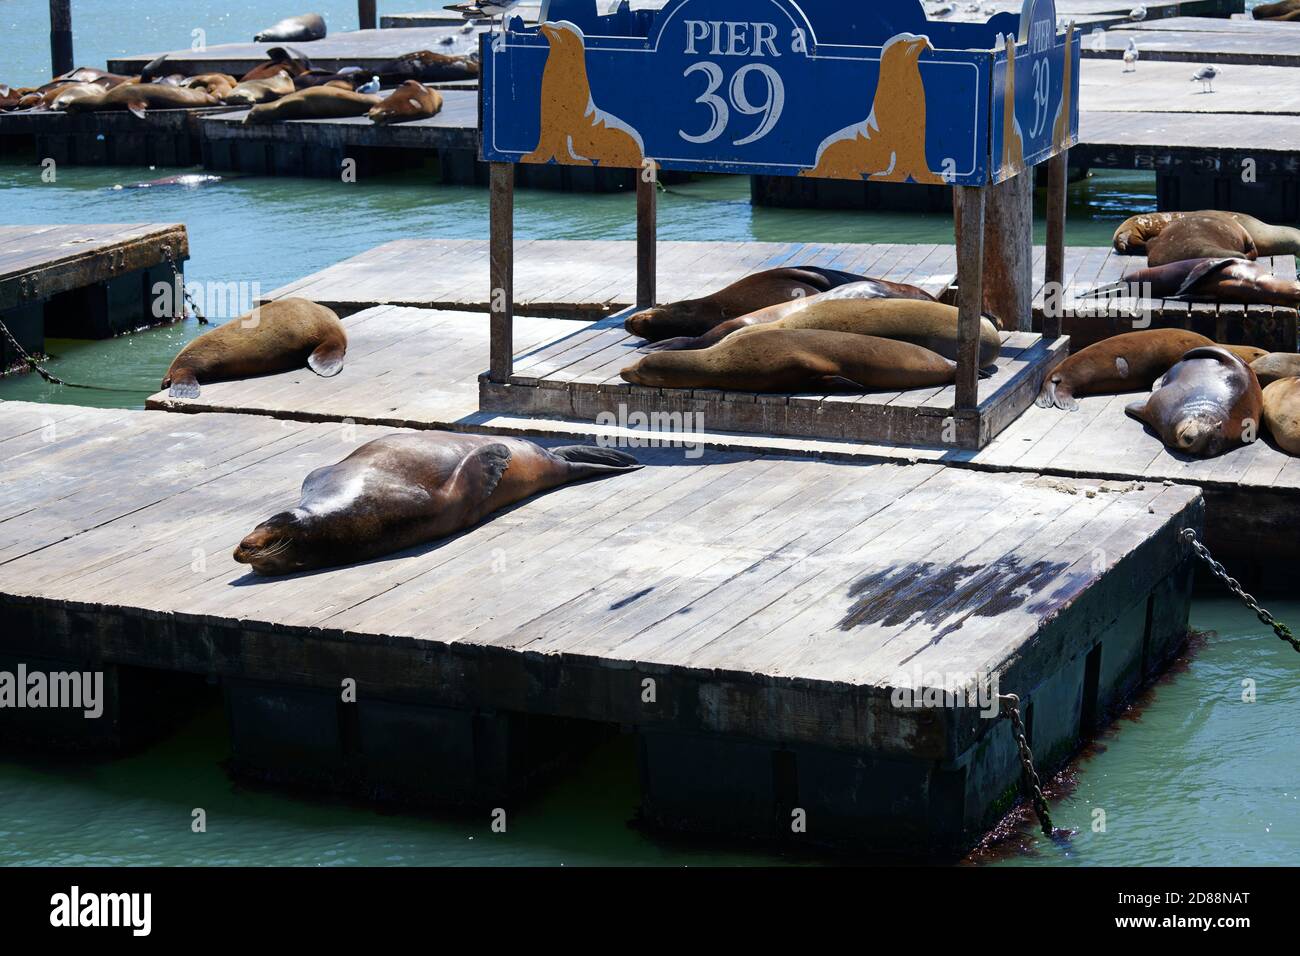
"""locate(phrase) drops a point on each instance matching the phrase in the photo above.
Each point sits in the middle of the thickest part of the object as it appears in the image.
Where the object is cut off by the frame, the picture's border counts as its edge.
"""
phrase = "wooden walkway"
(530, 10)
(1233, 42)
(367, 49)
(84, 281)
(774, 601)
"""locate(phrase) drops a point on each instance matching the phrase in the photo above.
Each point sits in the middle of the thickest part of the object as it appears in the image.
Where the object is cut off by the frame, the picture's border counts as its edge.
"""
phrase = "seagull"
(943, 11)
(1131, 57)
(484, 9)
(972, 8)
(371, 87)
(1205, 76)
(1138, 13)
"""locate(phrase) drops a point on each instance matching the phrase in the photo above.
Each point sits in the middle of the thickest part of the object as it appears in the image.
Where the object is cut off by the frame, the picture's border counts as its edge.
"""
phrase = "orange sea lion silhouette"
(574, 131)
(1061, 131)
(890, 145)
(1013, 146)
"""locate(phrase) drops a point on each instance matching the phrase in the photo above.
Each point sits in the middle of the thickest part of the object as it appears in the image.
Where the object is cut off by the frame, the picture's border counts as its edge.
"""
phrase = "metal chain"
(180, 284)
(1231, 583)
(29, 360)
(1011, 709)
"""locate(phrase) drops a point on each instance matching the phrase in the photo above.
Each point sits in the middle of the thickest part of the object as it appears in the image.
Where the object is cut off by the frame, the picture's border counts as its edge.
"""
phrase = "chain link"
(28, 359)
(1231, 583)
(180, 284)
(1011, 709)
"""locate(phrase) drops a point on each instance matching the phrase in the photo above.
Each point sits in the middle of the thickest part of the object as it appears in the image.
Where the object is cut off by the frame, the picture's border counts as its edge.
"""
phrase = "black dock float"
(160, 138)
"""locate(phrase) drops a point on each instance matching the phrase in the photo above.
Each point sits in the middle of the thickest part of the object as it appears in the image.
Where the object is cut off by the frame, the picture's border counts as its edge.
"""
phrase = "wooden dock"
(747, 616)
(594, 279)
(1192, 40)
(530, 10)
(367, 49)
(91, 281)
(161, 138)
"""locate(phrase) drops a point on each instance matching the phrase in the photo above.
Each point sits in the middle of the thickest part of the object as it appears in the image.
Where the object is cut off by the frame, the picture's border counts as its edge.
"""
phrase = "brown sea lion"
(218, 84)
(1134, 233)
(1200, 237)
(428, 67)
(279, 58)
(404, 490)
(309, 26)
(276, 337)
(693, 317)
(1272, 366)
(410, 101)
(320, 102)
(1238, 281)
(867, 289)
(1285, 10)
(85, 74)
(77, 96)
(1282, 413)
(138, 98)
(1209, 402)
(1124, 363)
(266, 90)
(765, 359)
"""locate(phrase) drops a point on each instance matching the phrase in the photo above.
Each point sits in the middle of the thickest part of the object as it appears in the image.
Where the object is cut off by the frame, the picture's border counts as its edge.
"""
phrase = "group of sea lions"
(286, 86)
(803, 329)
(1285, 10)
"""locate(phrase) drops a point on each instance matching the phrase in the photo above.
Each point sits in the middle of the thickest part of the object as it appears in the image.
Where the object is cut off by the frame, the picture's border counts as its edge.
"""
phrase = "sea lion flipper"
(838, 383)
(596, 460)
(478, 474)
(183, 384)
(1136, 410)
(988, 371)
(327, 360)
(137, 108)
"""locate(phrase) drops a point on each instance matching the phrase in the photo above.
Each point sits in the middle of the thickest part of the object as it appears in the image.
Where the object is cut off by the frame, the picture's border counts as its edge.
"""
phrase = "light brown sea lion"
(575, 131)
(85, 74)
(1282, 413)
(276, 337)
(1134, 233)
(692, 317)
(279, 58)
(410, 101)
(1200, 237)
(1275, 365)
(765, 359)
(1209, 402)
(320, 102)
(264, 90)
(138, 98)
(76, 96)
(1284, 10)
(308, 26)
(1238, 281)
(404, 490)
(866, 290)
(1124, 363)
(428, 67)
(218, 84)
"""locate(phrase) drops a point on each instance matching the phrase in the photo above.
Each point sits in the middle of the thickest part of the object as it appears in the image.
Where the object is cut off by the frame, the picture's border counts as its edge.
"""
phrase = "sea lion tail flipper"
(1105, 290)
(183, 384)
(1054, 396)
(988, 371)
(1194, 276)
(593, 460)
(838, 383)
(138, 108)
(327, 360)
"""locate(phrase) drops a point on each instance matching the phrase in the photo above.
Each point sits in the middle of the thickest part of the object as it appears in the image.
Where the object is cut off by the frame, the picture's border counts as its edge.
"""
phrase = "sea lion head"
(280, 544)
(654, 370)
(668, 321)
(1199, 434)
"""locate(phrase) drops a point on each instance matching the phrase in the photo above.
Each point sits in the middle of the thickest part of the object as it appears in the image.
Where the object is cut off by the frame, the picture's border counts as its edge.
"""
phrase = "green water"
(1200, 778)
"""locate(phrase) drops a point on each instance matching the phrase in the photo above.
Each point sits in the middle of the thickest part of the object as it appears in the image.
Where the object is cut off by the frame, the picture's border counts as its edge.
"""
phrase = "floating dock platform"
(82, 281)
(161, 138)
(530, 10)
(1203, 42)
(749, 617)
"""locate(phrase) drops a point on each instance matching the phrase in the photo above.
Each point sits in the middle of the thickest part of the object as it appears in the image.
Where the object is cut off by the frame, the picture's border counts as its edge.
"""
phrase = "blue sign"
(781, 87)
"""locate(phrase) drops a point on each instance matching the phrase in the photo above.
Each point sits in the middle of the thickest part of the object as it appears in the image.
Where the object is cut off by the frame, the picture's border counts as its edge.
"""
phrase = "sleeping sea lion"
(74, 97)
(350, 76)
(1213, 280)
(1134, 233)
(410, 101)
(138, 98)
(320, 102)
(279, 58)
(309, 26)
(693, 317)
(1200, 237)
(1282, 413)
(1274, 365)
(218, 84)
(1124, 363)
(765, 359)
(252, 92)
(428, 67)
(276, 337)
(1209, 402)
(404, 490)
(1283, 10)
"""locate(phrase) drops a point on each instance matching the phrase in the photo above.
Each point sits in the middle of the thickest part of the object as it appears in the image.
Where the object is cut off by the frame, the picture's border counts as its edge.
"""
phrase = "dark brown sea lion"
(350, 76)
(85, 74)
(138, 98)
(866, 290)
(1285, 10)
(1134, 233)
(1274, 365)
(404, 490)
(765, 359)
(428, 67)
(1282, 413)
(1214, 280)
(309, 26)
(693, 317)
(1200, 237)
(279, 58)
(265, 90)
(1209, 402)
(276, 337)
(410, 101)
(320, 102)
(1124, 363)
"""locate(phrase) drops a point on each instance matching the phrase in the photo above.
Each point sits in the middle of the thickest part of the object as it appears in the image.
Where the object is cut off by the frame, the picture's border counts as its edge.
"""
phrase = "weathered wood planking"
(1276, 47)
(1203, 24)
(367, 49)
(530, 10)
(783, 565)
(1164, 87)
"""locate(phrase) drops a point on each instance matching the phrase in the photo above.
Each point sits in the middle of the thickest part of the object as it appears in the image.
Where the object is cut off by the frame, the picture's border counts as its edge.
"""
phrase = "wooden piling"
(970, 268)
(366, 14)
(61, 60)
(1008, 259)
(647, 208)
(502, 266)
(1057, 170)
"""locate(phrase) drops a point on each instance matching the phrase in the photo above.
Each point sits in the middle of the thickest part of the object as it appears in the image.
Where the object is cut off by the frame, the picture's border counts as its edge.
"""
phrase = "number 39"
(1042, 94)
(770, 108)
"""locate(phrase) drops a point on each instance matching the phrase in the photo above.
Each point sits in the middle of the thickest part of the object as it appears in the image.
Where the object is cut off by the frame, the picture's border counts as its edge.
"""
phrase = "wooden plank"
(502, 257)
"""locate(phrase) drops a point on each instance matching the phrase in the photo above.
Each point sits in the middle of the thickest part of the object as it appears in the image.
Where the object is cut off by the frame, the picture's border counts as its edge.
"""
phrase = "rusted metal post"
(60, 37)
(501, 254)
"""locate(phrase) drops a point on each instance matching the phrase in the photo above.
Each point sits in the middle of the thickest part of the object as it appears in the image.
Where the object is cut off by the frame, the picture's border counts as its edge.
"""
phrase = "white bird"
(1131, 57)
(943, 11)
(1205, 76)
(371, 87)
(1138, 13)
(972, 8)
(484, 9)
